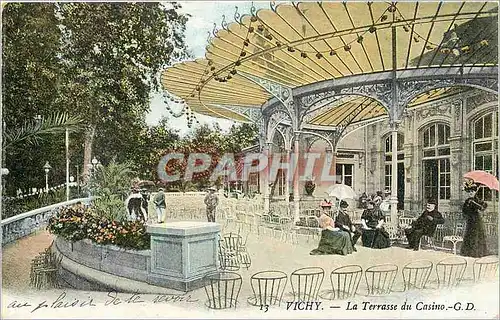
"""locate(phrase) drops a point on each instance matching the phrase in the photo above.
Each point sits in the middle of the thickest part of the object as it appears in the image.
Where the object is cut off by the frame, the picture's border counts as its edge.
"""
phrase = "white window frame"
(483, 193)
(436, 147)
(343, 175)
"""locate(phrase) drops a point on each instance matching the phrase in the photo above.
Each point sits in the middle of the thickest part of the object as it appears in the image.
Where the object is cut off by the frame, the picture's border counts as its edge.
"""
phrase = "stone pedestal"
(182, 253)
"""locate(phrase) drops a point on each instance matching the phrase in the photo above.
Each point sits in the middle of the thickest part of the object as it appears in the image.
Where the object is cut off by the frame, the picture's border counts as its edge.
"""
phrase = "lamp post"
(47, 168)
(92, 167)
(67, 163)
(78, 180)
(71, 182)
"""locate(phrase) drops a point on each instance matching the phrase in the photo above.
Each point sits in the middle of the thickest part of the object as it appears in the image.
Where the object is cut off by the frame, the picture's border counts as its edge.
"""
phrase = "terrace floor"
(267, 253)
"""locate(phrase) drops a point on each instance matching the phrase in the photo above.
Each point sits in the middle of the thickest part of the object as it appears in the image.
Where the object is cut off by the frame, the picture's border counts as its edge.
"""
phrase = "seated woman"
(344, 223)
(333, 241)
(373, 233)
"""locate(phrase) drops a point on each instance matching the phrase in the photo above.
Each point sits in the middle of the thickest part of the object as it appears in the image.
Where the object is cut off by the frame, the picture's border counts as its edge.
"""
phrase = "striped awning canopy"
(303, 43)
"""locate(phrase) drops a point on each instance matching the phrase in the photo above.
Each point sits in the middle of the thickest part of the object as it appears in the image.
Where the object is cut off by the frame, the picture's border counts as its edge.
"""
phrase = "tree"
(31, 71)
(153, 140)
(32, 132)
(241, 136)
(98, 61)
(113, 53)
(209, 141)
(30, 66)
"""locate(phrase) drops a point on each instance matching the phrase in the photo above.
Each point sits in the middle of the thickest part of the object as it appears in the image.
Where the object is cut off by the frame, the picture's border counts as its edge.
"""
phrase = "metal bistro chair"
(257, 223)
(380, 279)
(268, 288)
(416, 274)
(485, 268)
(222, 290)
(456, 238)
(44, 269)
(450, 271)
(243, 256)
(229, 255)
(306, 283)
(313, 225)
(345, 282)
(288, 230)
(229, 218)
(393, 233)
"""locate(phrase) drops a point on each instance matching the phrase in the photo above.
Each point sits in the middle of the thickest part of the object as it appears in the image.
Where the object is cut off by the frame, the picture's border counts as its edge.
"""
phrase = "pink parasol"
(483, 177)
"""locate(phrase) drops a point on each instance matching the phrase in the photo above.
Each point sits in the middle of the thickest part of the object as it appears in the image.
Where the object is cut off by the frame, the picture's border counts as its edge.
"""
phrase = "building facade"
(438, 142)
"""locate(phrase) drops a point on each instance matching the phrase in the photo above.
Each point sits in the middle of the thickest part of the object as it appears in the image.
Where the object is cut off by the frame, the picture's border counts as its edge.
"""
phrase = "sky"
(203, 16)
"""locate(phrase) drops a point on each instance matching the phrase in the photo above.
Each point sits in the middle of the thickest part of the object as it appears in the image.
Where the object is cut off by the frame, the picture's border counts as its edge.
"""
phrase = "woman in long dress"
(373, 233)
(333, 240)
(474, 244)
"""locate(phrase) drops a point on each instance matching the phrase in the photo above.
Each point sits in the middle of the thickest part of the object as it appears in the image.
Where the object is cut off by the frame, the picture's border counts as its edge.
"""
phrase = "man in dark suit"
(425, 225)
(134, 205)
(344, 223)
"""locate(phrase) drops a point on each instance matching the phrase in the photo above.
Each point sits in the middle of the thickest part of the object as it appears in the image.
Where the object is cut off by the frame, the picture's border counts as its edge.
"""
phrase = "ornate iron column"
(395, 116)
(394, 175)
(296, 176)
(268, 152)
(287, 182)
(456, 153)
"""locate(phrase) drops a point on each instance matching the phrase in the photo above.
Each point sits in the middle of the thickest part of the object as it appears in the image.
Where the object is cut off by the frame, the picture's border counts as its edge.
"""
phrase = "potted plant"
(309, 187)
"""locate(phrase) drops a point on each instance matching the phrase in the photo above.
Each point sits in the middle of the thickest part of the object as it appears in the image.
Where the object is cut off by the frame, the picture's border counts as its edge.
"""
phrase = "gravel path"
(17, 256)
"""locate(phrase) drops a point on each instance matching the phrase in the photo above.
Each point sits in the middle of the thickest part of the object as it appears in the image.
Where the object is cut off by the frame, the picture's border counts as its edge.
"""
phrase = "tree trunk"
(87, 152)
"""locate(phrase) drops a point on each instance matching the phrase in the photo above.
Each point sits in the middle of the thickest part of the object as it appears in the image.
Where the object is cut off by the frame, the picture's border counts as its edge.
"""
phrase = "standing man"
(211, 201)
(145, 203)
(425, 225)
(159, 202)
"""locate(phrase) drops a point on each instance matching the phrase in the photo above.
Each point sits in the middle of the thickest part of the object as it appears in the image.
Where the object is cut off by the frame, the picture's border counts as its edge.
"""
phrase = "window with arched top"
(485, 148)
(436, 161)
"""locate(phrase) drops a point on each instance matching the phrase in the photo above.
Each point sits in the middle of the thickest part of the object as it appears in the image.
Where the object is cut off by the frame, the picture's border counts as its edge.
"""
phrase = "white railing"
(26, 223)
(40, 191)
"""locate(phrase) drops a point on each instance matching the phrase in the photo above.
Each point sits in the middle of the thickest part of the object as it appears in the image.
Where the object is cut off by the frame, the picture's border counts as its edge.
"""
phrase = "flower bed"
(80, 222)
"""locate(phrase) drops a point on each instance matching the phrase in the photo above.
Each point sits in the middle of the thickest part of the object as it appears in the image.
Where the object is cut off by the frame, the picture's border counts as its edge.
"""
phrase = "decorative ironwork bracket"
(252, 114)
(317, 103)
(276, 119)
(279, 91)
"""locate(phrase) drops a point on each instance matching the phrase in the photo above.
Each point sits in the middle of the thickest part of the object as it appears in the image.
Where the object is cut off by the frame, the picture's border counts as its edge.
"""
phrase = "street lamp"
(78, 180)
(47, 168)
(92, 166)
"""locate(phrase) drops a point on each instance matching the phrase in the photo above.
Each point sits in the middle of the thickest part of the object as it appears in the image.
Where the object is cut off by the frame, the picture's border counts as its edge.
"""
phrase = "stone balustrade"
(24, 224)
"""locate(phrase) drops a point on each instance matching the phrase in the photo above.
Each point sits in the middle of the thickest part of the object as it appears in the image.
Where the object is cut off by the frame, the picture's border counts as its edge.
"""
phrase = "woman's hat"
(469, 185)
(325, 203)
(432, 201)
